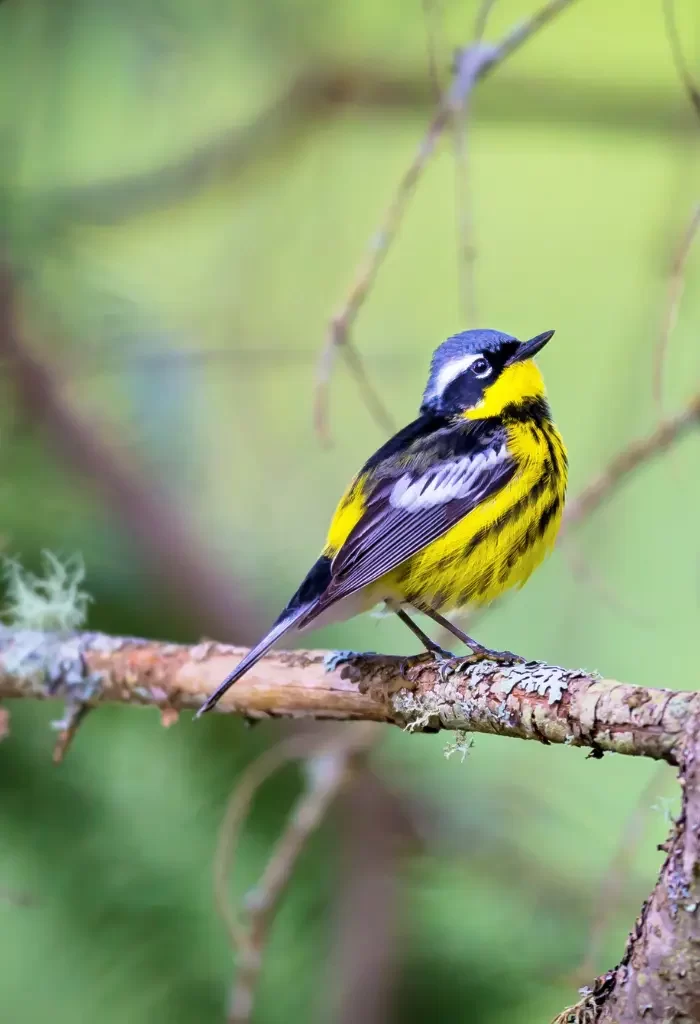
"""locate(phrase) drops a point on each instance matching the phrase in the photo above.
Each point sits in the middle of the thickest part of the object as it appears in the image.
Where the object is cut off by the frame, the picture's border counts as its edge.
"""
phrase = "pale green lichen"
(52, 602)
(420, 722)
(549, 681)
(663, 805)
(461, 744)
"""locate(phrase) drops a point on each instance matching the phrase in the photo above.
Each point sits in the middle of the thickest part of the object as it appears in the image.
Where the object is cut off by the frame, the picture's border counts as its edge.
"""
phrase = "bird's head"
(478, 374)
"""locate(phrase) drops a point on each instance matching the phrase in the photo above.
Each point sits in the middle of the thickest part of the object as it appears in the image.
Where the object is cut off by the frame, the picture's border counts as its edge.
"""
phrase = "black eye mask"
(467, 390)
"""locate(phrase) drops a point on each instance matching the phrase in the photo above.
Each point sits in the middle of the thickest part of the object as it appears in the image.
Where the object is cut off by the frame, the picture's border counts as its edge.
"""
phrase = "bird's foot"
(479, 654)
(438, 656)
(334, 659)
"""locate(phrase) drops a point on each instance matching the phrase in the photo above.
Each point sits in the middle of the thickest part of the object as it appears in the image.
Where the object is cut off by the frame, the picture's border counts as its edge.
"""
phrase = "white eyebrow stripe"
(452, 370)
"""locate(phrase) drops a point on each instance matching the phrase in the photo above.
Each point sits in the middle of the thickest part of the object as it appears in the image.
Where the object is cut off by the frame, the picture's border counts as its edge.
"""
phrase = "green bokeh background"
(185, 311)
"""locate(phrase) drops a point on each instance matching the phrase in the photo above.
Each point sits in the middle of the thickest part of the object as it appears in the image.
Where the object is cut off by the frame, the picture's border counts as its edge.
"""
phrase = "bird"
(456, 508)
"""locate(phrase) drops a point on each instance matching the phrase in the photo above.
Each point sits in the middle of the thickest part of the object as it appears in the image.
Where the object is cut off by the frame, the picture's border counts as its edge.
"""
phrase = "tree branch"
(658, 978)
(534, 701)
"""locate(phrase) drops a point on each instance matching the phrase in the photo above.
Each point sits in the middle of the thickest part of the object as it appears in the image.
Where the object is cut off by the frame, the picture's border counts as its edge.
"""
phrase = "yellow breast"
(500, 543)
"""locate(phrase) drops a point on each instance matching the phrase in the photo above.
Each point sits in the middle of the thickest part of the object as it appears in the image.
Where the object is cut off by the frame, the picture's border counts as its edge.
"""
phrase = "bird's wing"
(422, 482)
(409, 508)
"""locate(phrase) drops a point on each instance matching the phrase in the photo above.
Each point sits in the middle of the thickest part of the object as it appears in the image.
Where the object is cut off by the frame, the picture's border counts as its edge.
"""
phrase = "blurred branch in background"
(471, 65)
(674, 38)
(628, 460)
(168, 548)
(328, 764)
(322, 91)
(676, 286)
(464, 211)
(376, 829)
(312, 94)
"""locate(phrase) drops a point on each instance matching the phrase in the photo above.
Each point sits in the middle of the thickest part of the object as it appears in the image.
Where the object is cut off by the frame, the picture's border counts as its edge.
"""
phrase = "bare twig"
(432, 13)
(312, 95)
(586, 573)
(376, 830)
(676, 287)
(472, 65)
(165, 543)
(628, 460)
(679, 57)
(464, 215)
(482, 18)
(257, 773)
(328, 763)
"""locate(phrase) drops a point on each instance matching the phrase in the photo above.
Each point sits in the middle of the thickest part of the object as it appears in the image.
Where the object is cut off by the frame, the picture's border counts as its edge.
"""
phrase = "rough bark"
(659, 976)
(533, 701)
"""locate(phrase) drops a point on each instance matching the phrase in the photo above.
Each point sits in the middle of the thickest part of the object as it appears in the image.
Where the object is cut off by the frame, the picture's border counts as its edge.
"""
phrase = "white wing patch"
(456, 479)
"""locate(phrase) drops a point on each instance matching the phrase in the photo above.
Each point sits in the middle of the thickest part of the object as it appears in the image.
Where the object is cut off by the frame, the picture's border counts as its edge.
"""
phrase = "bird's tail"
(286, 622)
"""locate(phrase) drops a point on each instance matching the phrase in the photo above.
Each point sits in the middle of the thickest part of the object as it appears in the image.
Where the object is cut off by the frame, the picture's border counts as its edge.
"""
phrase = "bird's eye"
(481, 367)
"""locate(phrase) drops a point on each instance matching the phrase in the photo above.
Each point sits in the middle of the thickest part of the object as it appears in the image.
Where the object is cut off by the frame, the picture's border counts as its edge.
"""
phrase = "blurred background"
(186, 190)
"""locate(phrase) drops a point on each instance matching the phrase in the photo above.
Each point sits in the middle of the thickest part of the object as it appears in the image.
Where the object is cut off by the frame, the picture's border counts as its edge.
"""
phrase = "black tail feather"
(316, 581)
(282, 626)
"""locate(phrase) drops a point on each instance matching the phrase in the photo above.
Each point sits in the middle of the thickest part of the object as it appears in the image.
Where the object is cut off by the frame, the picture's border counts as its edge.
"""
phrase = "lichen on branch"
(534, 701)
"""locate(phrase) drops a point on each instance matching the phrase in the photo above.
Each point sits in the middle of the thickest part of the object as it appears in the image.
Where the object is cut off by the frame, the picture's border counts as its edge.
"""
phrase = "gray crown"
(464, 344)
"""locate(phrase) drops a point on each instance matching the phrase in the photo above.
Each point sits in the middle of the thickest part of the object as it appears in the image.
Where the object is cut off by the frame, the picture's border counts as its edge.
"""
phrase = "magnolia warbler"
(456, 508)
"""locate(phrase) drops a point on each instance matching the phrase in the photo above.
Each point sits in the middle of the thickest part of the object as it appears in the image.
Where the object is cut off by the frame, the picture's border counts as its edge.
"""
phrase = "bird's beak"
(530, 348)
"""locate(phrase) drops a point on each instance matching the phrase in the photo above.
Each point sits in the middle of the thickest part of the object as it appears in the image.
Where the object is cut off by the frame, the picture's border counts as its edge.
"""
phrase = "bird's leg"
(429, 644)
(479, 652)
(433, 651)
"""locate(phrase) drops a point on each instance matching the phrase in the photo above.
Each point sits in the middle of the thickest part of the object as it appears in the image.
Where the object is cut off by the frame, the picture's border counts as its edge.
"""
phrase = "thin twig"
(373, 400)
(679, 60)
(472, 65)
(269, 762)
(481, 19)
(432, 16)
(676, 286)
(584, 572)
(464, 206)
(628, 460)
(376, 830)
(328, 762)
(464, 215)
(309, 98)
